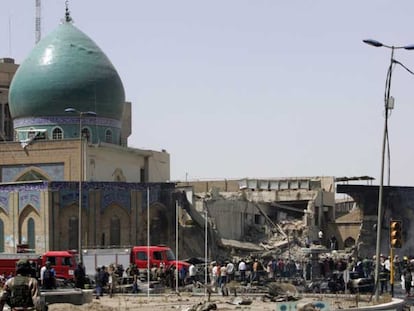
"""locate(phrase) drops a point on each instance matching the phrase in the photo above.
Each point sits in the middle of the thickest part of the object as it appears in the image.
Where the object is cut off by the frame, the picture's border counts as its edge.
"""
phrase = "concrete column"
(97, 218)
(134, 218)
(14, 214)
(56, 221)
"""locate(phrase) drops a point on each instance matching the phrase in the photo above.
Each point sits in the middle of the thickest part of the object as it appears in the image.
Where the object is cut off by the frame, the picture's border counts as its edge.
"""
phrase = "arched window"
(86, 134)
(1, 236)
(108, 136)
(73, 233)
(31, 239)
(115, 235)
(8, 123)
(57, 133)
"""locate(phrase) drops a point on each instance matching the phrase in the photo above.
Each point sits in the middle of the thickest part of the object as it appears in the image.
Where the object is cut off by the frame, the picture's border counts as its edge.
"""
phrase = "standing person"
(333, 243)
(42, 272)
(223, 275)
(218, 275)
(111, 279)
(383, 276)
(22, 291)
(98, 282)
(242, 270)
(182, 275)
(255, 268)
(214, 280)
(320, 236)
(397, 267)
(408, 278)
(269, 269)
(135, 287)
(230, 271)
(192, 271)
(80, 276)
(49, 277)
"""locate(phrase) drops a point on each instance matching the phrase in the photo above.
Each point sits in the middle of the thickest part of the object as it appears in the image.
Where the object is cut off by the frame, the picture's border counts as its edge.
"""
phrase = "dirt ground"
(163, 302)
(153, 303)
(186, 301)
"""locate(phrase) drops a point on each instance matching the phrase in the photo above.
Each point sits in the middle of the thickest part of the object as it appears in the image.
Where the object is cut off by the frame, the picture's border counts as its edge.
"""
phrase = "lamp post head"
(81, 113)
(372, 42)
(71, 110)
(378, 44)
(89, 113)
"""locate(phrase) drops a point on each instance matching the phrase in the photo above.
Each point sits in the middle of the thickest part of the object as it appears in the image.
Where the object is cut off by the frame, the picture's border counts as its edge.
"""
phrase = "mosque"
(65, 125)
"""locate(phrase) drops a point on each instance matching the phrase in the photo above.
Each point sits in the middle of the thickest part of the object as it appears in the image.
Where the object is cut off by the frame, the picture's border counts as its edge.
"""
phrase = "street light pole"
(384, 143)
(205, 247)
(81, 114)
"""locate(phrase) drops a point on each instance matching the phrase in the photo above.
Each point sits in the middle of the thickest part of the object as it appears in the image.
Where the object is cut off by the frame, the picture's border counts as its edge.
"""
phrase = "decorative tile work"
(71, 196)
(54, 170)
(122, 198)
(112, 192)
(33, 185)
(4, 201)
(62, 120)
(29, 198)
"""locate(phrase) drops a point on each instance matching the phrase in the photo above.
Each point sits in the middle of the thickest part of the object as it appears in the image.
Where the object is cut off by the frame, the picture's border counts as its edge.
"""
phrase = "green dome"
(66, 69)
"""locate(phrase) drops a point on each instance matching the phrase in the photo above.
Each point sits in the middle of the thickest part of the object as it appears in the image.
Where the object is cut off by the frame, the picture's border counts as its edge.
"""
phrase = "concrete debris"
(282, 289)
(239, 301)
(241, 245)
(202, 307)
(276, 244)
(278, 292)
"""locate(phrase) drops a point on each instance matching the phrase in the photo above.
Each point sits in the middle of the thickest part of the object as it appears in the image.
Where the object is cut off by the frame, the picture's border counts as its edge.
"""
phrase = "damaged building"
(257, 215)
(397, 205)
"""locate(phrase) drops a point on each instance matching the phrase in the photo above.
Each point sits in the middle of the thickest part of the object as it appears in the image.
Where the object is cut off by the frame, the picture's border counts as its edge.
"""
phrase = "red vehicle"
(8, 262)
(141, 256)
(64, 263)
(155, 255)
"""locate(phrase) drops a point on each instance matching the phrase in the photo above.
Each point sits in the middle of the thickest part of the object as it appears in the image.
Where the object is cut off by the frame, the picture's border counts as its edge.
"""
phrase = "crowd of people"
(259, 270)
(219, 274)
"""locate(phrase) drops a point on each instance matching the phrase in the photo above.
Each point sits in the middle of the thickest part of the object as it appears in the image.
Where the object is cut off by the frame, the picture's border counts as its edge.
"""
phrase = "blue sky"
(258, 89)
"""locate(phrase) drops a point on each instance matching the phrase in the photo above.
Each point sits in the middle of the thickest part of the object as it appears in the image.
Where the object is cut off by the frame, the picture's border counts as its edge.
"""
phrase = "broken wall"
(398, 204)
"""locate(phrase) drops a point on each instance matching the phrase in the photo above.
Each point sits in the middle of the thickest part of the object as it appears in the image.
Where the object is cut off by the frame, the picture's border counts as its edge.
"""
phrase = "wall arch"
(29, 219)
(159, 224)
(109, 218)
(5, 220)
(32, 173)
(349, 242)
(2, 238)
(68, 227)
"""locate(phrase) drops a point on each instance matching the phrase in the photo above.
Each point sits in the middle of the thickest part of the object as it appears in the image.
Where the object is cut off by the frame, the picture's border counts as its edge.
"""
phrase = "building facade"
(65, 128)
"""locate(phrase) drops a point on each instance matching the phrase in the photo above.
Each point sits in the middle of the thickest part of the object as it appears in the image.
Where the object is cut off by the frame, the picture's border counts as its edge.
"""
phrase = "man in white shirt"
(242, 270)
(192, 271)
(214, 275)
(42, 272)
(230, 271)
(320, 236)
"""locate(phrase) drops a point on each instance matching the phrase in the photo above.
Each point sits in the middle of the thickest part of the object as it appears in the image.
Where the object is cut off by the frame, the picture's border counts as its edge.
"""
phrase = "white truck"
(94, 258)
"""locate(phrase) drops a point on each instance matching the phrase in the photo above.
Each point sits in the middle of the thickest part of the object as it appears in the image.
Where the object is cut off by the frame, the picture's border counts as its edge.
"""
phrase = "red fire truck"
(141, 256)
(64, 262)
